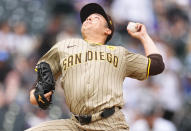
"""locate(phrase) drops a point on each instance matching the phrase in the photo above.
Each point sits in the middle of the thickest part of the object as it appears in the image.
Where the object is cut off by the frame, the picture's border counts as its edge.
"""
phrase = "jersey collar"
(93, 43)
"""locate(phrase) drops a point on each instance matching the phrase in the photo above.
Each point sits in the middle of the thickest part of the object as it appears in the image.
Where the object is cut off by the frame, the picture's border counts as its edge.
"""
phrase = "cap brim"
(92, 8)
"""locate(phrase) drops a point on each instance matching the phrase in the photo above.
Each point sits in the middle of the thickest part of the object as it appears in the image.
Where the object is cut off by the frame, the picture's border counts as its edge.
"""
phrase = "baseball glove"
(45, 83)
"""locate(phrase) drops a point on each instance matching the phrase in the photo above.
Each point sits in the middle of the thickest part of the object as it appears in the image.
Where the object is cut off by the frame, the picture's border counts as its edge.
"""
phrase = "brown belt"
(86, 119)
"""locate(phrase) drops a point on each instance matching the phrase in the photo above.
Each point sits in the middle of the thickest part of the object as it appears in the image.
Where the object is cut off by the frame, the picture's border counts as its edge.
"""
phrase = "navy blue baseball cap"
(92, 8)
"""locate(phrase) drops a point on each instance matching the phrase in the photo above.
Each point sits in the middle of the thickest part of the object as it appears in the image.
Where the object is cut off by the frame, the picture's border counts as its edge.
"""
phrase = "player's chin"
(85, 29)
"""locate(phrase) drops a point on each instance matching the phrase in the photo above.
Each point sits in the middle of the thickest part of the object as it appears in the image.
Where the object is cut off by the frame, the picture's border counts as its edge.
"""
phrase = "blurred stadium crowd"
(29, 28)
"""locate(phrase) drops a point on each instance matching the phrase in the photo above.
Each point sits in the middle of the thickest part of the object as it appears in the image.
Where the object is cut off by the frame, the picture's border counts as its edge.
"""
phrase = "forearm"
(156, 65)
(149, 45)
(32, 97)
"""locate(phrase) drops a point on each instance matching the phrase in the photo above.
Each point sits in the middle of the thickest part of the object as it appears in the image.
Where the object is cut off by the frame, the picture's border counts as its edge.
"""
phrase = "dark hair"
(111, 27)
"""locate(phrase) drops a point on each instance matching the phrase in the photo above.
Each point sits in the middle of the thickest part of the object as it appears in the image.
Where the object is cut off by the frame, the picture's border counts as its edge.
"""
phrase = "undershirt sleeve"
(155, 65)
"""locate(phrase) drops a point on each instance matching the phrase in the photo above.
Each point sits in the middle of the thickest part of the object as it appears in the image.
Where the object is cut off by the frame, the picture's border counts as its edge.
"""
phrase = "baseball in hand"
(132, 27)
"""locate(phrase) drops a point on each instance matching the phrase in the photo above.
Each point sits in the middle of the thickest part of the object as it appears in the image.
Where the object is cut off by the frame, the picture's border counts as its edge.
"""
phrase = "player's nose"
(89, 18)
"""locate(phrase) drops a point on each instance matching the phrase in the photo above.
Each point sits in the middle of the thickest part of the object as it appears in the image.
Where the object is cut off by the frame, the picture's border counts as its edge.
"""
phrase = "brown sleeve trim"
(157, 65)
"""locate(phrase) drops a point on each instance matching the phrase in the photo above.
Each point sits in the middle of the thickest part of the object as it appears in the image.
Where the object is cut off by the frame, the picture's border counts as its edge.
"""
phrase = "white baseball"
(132, 27)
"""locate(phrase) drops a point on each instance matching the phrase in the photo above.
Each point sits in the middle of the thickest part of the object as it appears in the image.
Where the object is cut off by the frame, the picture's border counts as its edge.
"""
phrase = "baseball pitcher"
(92, 74)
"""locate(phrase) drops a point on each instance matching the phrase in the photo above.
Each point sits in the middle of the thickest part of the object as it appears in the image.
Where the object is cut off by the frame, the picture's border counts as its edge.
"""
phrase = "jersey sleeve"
(53, 59)
(137, 66)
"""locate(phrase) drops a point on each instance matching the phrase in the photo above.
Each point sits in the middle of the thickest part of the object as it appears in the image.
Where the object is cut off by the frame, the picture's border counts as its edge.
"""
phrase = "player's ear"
(108, 31)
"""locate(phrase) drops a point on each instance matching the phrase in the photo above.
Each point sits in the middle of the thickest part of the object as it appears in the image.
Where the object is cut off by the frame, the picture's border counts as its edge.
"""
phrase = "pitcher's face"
(94, 23)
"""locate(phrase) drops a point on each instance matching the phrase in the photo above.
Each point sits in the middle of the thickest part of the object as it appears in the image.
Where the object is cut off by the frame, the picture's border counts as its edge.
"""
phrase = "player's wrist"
(32, 97)
(145, 38)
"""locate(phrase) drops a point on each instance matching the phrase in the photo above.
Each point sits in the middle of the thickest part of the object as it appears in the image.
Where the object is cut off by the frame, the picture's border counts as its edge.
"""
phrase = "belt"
(86, 119)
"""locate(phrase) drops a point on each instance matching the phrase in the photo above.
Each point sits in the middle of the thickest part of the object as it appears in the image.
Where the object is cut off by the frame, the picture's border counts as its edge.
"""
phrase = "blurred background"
(29, 28)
